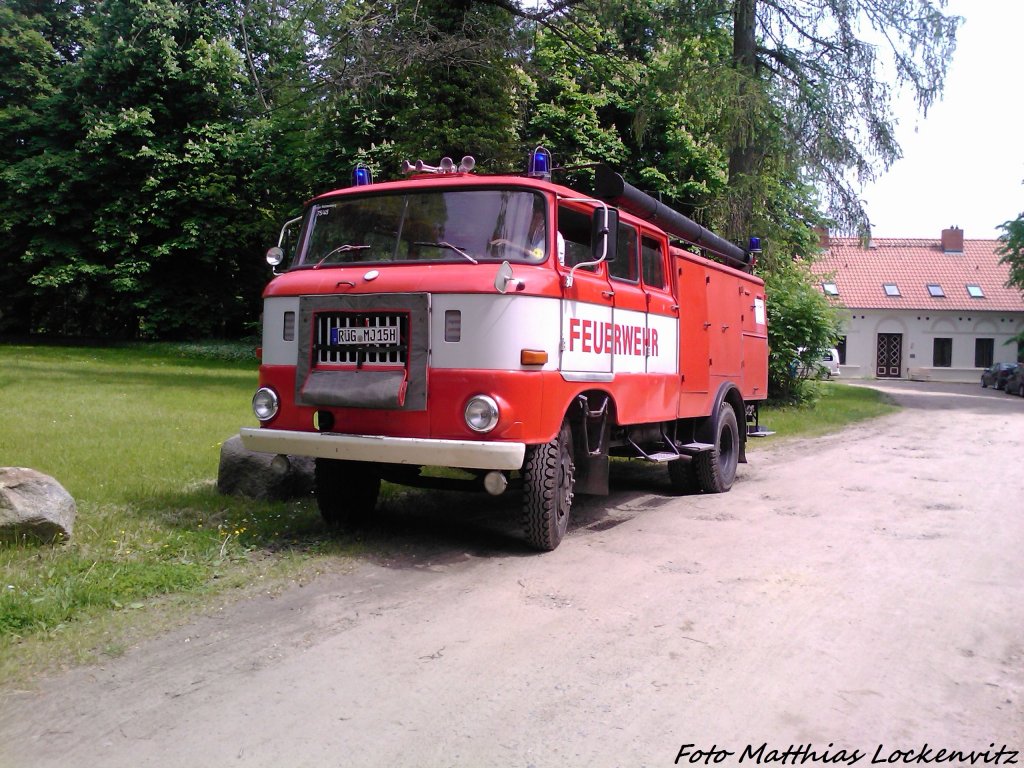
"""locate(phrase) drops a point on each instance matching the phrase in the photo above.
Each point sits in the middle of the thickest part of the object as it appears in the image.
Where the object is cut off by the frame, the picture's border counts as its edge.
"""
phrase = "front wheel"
(346, 491)
(549, 477)
(716, 469)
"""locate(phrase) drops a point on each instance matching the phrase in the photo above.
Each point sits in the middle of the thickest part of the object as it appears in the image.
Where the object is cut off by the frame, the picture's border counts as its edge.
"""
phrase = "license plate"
(381, 336)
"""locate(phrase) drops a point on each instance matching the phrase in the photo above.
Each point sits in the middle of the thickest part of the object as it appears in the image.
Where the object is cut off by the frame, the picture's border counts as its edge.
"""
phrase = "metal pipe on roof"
(610, 186)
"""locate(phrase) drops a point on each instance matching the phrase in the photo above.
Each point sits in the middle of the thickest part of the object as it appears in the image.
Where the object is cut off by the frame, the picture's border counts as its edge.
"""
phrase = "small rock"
(245, 473)
(34, 507)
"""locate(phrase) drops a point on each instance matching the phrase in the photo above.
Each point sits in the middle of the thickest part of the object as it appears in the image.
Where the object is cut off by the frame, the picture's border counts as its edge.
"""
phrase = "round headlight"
(265, 404)
(481, 413)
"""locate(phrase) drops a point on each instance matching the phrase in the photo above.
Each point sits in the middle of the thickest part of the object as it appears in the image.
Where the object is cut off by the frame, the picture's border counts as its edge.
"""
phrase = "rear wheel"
(716, 469)
(549, 477)
(346, 491)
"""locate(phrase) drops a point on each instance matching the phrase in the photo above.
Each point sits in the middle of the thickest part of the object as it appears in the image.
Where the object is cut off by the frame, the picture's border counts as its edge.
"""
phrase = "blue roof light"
(361, 176)
(755, 245)
(540, 164)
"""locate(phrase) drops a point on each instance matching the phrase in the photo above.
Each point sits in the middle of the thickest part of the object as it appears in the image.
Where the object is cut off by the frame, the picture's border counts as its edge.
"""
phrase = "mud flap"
(356, 389)
(591, 433)
(592, 474)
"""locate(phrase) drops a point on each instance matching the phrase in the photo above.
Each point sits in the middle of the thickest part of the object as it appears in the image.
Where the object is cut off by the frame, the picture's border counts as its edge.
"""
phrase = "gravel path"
(857, 594)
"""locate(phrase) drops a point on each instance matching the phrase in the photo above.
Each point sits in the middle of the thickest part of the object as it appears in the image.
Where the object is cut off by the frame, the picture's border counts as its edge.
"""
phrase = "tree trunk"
(743, 156)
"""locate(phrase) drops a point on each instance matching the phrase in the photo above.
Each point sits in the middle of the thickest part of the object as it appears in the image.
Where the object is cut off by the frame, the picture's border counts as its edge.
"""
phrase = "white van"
(830, 363)
(826, 368)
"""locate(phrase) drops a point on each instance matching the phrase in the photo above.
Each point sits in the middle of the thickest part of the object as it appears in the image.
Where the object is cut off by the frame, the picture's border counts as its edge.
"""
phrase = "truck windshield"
(464, 226)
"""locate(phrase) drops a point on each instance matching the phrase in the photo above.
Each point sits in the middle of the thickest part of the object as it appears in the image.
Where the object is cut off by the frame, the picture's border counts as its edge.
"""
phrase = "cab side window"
(574, 227)
(624, 267)
(653, 263)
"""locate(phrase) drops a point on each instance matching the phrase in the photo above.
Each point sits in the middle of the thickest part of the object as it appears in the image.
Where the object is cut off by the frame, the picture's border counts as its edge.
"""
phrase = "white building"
(934, 310)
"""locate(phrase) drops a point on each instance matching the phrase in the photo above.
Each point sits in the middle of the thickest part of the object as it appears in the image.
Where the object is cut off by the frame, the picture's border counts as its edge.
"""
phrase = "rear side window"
(624, 267)
(653, 263)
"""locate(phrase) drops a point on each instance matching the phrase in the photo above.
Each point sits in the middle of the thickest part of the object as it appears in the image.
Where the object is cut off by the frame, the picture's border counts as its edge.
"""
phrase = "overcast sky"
(962, 165)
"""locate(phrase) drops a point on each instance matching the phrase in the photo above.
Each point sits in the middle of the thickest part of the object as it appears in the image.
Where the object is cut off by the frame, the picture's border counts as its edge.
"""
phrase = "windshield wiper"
(340, 249)
(449, 246)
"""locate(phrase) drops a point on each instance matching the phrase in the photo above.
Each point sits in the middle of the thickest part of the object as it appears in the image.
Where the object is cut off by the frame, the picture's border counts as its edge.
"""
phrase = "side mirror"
(504, 279)
(604, 231)
(276, 254)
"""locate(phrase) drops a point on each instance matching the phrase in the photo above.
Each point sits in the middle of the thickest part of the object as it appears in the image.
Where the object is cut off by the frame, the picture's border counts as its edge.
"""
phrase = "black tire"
(549, 478)
(682, 476)
(346, 491)
(716, 470)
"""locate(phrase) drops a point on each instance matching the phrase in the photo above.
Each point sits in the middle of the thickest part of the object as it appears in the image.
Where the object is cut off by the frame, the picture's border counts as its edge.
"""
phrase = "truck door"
(644, 332)
(586, 346)
(629, 314)
(662, 308)
(645, 313)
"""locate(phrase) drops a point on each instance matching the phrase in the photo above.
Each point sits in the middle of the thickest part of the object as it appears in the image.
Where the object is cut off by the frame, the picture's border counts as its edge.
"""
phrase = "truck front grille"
(361, 338)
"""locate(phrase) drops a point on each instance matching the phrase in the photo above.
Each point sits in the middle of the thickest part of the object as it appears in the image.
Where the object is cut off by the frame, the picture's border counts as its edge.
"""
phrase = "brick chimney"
(824, 241)
(953, 240)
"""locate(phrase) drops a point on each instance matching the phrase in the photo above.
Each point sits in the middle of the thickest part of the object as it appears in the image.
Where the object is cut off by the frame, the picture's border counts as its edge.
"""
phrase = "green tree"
(1012, 250)
(802, 324)
(148, 149)
(29, 70)
(151, 217)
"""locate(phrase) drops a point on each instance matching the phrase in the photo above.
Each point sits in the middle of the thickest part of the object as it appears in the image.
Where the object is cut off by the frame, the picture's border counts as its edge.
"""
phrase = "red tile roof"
(913, 264)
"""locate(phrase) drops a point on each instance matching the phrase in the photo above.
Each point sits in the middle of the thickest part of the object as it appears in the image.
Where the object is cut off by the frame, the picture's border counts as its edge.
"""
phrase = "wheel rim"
(565, 485)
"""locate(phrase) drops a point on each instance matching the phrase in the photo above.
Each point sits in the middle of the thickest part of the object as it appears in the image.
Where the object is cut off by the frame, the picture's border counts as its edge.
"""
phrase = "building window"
(942, 353)
(830, 289)
(841, 349)
(934, 289)
(975, 292)
(983, 352)
(891, 289)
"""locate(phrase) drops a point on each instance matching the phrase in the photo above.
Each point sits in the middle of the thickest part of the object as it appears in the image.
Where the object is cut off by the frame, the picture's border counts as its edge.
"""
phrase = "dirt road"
(861, 593)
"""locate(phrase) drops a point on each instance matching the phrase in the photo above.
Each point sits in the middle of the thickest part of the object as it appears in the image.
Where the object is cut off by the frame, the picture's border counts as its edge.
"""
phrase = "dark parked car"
(1015, 381)
(997, 375)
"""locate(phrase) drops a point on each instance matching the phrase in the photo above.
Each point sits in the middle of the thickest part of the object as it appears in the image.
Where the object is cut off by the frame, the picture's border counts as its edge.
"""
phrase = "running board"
(661, 457)
(689, 449)
(692, 448)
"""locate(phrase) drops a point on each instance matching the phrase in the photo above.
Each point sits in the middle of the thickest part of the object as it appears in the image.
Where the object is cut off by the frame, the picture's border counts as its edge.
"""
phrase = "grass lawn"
(836, 406)
(134, 434)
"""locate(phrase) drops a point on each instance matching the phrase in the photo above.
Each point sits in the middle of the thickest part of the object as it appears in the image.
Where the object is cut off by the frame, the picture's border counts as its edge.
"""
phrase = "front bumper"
(466, 454)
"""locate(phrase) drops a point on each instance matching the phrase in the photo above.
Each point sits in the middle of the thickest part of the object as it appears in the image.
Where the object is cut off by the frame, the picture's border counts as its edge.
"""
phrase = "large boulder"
(256, 475)
(34, 507)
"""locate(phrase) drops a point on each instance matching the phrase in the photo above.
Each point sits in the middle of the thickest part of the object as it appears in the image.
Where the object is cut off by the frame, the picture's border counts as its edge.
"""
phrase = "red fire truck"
(512, 328)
